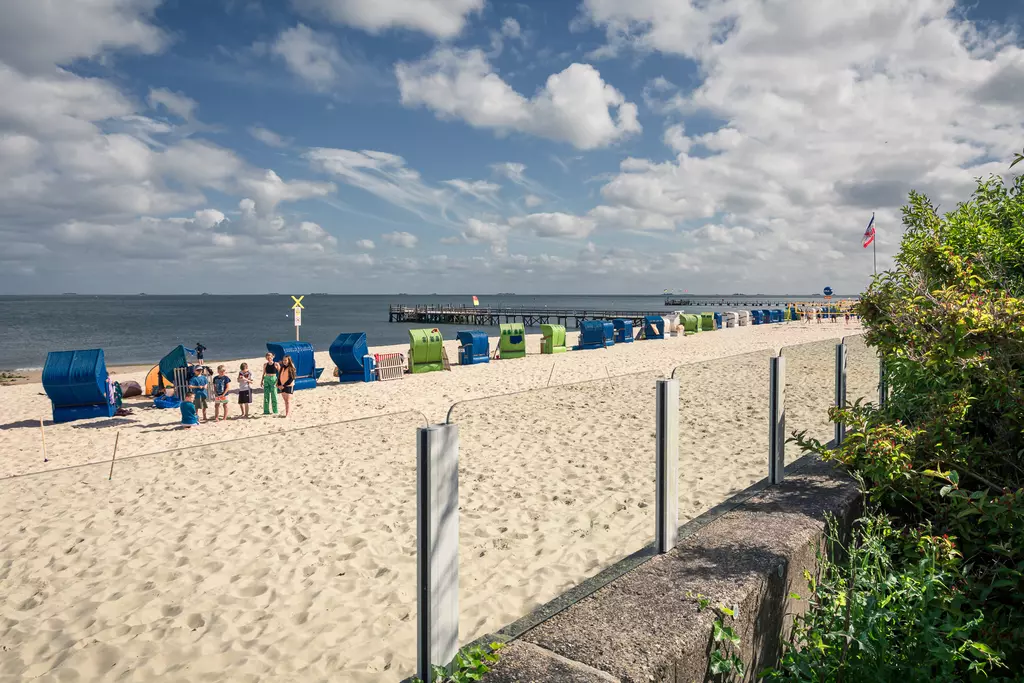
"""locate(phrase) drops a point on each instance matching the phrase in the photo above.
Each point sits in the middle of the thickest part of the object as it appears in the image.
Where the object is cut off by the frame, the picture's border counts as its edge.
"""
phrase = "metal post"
(840, 429)
(883, 384)
(437, 546)
(776, 419)
(666, 480)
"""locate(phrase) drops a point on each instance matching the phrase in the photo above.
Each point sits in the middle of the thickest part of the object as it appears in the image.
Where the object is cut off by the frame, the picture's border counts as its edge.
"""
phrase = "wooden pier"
(445, 314)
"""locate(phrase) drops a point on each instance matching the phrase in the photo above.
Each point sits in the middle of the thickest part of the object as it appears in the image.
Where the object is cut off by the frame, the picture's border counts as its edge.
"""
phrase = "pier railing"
(448, 314)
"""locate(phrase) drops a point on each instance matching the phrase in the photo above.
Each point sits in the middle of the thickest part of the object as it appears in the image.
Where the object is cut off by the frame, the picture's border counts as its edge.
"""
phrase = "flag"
(476, 302)
(869, 234)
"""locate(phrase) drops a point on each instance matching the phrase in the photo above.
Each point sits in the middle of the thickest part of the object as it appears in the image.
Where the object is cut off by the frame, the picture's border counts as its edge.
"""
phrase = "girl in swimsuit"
(286, 382)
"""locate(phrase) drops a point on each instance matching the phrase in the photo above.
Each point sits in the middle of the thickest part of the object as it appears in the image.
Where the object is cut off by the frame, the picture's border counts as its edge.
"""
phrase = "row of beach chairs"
(77, 381)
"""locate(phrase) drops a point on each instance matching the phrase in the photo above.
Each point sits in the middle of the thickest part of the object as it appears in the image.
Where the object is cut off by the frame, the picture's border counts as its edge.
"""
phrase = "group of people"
(810, 314)
(278, 378)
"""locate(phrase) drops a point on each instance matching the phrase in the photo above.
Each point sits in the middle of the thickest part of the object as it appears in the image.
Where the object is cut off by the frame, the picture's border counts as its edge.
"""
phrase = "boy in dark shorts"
(220, 393)
(200, 350)
(198, 385)
(244, 389)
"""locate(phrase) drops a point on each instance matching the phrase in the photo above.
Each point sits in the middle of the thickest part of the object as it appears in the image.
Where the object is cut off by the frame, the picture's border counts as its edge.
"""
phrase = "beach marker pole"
(666, 478)
(840, 430)
(43, 433)
(776, 419)
(117, 437)
(437, 547)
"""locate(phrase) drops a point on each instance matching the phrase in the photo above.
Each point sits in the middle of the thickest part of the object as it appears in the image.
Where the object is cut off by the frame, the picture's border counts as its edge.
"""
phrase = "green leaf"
(719, 663)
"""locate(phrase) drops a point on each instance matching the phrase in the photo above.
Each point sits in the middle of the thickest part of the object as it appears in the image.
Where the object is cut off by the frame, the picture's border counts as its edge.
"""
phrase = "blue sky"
(607, 146)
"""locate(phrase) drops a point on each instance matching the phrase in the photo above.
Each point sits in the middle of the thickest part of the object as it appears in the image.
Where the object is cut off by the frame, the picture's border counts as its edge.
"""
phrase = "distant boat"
(273, 294)
(205, 294)
(319, 294)
(505, 294)
(142, 294)
(70, 294)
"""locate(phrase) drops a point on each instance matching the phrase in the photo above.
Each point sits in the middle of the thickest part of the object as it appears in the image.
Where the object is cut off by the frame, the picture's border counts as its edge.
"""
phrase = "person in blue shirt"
(188, 411)
(198, 386)
(221, 382)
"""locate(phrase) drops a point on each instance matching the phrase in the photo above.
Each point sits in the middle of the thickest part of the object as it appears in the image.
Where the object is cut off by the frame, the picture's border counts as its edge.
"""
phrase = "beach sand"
(276, 549)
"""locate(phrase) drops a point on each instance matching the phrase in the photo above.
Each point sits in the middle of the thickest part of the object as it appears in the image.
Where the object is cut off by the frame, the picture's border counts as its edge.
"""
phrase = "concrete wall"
(645, 625)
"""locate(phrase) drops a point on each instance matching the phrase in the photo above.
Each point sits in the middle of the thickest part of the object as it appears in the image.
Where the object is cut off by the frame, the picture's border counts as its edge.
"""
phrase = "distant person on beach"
(188, 411)
(244, 389)
(221, 383)
(270, 369)
(200, 350)
(286, 382)
(847, 318)
(198, 385)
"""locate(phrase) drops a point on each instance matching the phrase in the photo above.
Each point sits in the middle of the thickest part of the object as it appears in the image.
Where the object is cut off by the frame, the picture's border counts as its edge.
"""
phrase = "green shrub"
(887, 612)
(941, 461)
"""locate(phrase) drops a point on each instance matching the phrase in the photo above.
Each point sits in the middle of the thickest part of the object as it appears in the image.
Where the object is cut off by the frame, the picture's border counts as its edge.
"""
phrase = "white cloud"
(480, 189)
(175, 102)
(368, 245)
(554, 224)
(386, 176)
(268, 137)
(574, 106)
(311, 55)
(437, 18)
(532, 200)
(405, 240)
(831, 110)
(36, 35)
(269, 190)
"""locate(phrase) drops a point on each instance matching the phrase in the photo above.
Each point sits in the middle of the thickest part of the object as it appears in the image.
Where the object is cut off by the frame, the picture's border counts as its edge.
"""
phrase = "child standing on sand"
(188, 412)
(244, 390)
(198, 385)
(270, 369)
(220, 393)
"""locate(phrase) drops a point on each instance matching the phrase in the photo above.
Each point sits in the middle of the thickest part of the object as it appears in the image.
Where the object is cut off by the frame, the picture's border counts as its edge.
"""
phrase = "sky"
(479, 146)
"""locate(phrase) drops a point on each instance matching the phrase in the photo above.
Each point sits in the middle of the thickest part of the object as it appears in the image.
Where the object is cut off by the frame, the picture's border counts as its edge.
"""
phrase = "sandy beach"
(276, 549)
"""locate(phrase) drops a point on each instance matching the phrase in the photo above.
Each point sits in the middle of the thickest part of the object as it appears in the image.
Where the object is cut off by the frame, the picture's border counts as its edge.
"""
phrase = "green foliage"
(1017, 158)
(941, 464)
(470, 665)
(889, 612)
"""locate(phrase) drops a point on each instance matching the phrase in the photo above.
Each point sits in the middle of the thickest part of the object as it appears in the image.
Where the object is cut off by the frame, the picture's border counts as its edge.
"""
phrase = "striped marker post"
(776, 419)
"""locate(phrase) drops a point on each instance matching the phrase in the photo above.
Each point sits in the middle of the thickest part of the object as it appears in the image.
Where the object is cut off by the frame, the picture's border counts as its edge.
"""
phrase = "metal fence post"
(437, 546)
(666, 480)
(883, 384)
(840, 429)
(776, 419)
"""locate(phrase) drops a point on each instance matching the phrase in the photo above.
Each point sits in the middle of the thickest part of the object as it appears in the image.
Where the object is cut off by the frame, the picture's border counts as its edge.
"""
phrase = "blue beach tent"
(352, 358)
(609, 332)
(755, 318)
(473, 347)
(76, 384)
(777, 315)
(654, 327)
(766, 316)
(306, 374)
(718, 321)
(591, 335)
(623, 331)
(175, 359)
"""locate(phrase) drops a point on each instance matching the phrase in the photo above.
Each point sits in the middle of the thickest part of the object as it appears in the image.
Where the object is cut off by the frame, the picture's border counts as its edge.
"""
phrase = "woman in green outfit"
(270, 370)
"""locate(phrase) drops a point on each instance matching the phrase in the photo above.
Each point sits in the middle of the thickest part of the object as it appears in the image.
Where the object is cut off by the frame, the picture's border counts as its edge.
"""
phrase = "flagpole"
(874, 255)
